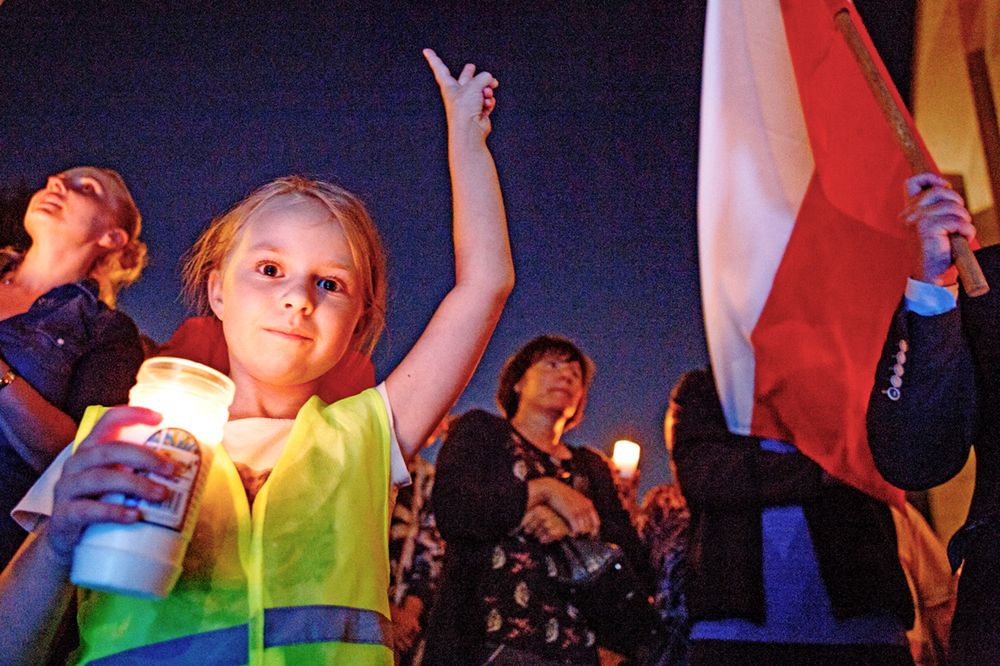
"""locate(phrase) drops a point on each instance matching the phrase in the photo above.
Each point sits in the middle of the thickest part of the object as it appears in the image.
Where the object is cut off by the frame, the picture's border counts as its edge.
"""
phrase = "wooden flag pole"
(972, 21)
(973, 280)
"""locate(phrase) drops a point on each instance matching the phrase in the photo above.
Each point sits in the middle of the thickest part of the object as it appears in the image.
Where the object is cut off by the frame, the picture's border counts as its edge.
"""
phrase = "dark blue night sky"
(595, 137)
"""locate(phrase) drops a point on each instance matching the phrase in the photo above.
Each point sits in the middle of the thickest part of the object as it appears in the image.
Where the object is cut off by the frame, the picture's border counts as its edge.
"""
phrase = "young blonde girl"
(295, 570)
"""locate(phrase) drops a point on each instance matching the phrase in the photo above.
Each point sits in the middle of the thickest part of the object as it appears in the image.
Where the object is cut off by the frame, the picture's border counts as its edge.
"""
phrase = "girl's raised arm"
(435, 372)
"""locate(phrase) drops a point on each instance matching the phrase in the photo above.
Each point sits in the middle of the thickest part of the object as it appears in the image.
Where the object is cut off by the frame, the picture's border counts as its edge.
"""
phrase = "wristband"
(7, 378)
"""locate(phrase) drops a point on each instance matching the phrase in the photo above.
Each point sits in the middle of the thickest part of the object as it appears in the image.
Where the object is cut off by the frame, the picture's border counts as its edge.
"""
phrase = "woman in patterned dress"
(507, 489)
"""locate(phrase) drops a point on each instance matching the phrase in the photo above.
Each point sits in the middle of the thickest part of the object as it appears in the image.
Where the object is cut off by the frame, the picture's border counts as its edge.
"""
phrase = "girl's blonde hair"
(215, 244)
(119, 268)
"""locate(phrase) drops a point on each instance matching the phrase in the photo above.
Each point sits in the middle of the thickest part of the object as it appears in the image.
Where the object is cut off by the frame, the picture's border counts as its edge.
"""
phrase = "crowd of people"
(342, 544)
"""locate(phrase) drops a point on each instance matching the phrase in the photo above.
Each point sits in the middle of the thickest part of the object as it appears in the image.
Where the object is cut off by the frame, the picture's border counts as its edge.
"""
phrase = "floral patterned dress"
(520, 603)
(415, 548)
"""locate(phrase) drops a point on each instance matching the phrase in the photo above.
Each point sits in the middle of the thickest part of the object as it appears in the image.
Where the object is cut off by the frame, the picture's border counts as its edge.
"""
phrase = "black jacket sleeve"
(920, 431)
(476, 495)
(104, 375)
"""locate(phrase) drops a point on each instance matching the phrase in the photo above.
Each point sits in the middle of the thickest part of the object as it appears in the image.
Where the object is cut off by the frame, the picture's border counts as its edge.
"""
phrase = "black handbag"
(581, 561)
(602, 585)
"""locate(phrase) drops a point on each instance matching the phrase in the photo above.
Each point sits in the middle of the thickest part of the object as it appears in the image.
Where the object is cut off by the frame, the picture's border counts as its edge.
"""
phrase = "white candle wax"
(626, 458)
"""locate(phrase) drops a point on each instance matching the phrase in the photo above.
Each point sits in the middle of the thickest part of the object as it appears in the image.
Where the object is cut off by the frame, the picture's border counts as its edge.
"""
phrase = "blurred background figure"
(787, 564)
(663, 523)
(932, 585)
(415, 553)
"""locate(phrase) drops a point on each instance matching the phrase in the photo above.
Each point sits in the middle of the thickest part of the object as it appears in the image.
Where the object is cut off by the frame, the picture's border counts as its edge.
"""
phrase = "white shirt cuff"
(35, 507)
(926, 299)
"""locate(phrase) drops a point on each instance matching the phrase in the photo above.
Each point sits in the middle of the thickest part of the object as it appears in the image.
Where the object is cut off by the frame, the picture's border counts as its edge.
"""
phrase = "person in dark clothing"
(63, 346)
(786, 565)
(664, 524)
(415, 553)
(506, 492)
(936, 393)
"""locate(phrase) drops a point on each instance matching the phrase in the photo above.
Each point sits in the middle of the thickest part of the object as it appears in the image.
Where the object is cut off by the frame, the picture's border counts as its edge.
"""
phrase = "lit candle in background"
(626, 458)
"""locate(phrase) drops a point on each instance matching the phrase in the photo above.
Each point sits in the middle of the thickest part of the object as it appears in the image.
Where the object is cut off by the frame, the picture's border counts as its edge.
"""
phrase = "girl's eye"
(268, 269)
(326, 284)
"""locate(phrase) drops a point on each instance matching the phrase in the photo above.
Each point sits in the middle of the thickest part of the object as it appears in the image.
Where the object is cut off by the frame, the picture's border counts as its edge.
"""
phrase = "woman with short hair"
(506, 491)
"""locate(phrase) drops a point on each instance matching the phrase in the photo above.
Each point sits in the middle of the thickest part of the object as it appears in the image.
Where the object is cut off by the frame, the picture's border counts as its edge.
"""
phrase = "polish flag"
(803, 259)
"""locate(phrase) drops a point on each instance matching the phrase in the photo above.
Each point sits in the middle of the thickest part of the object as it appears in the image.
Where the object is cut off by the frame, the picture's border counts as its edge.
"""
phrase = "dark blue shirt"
(75, 351)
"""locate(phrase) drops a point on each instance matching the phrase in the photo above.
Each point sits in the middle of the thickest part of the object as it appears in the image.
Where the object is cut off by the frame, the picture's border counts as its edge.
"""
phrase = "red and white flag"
(803, 259)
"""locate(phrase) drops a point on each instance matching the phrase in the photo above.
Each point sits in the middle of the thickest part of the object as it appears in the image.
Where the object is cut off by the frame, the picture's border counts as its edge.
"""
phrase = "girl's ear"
(215, 292)
(113, 239)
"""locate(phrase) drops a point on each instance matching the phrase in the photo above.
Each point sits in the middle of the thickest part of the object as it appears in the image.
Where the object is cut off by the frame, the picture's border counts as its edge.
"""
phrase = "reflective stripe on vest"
(222, 646)
(320, 624)
(282, 626)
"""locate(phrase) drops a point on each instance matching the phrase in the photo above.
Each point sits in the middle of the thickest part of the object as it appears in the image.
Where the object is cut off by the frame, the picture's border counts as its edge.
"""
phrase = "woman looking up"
(62, 344)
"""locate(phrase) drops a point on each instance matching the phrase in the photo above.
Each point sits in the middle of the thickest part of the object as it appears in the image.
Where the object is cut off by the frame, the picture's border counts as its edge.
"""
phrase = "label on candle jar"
(185, 487)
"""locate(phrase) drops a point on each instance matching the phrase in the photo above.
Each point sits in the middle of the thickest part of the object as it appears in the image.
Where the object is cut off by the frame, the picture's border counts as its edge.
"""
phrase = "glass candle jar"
(145, 558)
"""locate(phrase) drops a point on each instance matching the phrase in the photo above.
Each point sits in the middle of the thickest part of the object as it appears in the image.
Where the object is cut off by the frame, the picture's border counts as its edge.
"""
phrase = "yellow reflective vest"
(302, 579)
